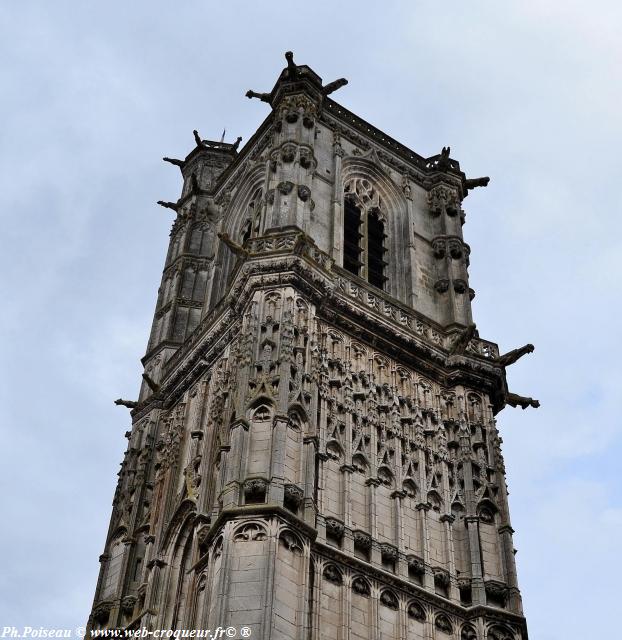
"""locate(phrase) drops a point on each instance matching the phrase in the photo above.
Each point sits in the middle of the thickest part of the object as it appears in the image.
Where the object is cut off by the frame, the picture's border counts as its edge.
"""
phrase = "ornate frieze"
(293, 495)
(334, 528)
(388, 552)
(255, 488)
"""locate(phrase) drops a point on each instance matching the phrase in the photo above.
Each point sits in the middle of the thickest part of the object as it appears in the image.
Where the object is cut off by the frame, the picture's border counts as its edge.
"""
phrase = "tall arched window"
(252, 224)
(352, 237)
(113, 571)
(363, 232)
(375, 249)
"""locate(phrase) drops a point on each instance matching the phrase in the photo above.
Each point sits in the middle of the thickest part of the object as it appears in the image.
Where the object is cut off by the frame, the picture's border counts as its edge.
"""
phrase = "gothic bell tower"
(314, 453)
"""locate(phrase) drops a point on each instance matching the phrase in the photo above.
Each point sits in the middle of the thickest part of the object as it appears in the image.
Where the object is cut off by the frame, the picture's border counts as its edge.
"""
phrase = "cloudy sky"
(94, 94)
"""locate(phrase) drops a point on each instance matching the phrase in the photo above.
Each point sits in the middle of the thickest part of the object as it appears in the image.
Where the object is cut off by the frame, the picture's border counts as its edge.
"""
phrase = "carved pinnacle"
(333, 86)
(514, 400)
(462, 340)
(443, 160)
(237, 249)
(177, 163)
(197, 138)
(169, 205)
(154, 386)
(264, 97)
(512, 356)
(292, 69)
(130, 404)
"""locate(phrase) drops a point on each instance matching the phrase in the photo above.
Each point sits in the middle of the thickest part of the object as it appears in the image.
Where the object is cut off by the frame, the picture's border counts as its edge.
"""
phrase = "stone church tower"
(314, 453)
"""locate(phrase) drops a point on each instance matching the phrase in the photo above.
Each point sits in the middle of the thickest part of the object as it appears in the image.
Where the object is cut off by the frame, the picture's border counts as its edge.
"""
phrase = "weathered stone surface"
(314, 446)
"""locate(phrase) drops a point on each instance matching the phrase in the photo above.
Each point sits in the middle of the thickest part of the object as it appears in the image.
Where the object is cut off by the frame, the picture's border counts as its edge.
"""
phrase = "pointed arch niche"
(242, 220)
(374, 228)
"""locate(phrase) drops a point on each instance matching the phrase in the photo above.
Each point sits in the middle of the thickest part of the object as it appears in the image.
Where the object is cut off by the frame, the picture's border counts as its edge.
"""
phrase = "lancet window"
(364, 232)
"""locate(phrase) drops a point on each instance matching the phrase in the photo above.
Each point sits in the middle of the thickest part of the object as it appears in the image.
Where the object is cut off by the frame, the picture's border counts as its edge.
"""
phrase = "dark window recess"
(137, 569)
(253, 222)
(375, 250)
(352, 238)
(246, 231)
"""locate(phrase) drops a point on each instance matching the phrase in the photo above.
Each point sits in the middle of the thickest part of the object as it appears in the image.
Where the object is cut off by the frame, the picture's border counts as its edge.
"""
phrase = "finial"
(292, 72)
(197, 138)
(291, 65)
(442, 163)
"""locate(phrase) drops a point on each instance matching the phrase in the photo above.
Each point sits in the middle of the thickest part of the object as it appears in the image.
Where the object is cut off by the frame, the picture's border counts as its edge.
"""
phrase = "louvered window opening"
(363, 244)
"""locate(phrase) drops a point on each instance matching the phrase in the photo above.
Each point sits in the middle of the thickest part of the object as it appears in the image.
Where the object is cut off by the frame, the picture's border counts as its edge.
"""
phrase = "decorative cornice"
(506, 528)
(411, 590)
(262, 510)
(291, 258)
